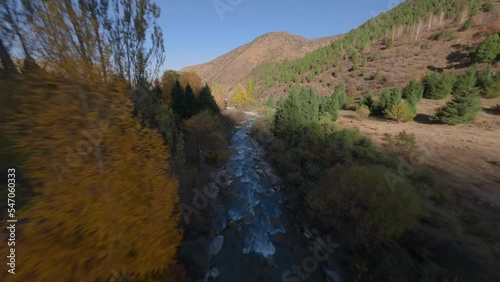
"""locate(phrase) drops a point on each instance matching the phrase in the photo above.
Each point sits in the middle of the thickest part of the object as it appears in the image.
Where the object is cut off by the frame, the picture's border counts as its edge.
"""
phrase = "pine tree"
(439, 86)
(179, 103)
(250, 90)
(368, 100)
(340, 95)
(387, 100)
(462, 109)
(205, 101)
(413, 93)
(189, 93)
(488, 51)
(270, 102)
(466, 82)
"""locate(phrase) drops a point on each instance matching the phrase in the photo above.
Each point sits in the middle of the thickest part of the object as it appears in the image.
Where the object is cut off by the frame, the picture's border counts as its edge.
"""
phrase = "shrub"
(364, 201)
(488, 51)
(377, 76)
(376, 56)
(388, 43)
(401, 112)
(466, 25)
(403, 143)
(363, 111)
(488, 6)
(355, 67)
(438, 86)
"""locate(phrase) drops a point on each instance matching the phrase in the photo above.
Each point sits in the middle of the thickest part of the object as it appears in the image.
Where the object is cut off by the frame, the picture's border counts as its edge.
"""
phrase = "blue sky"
(197, 31)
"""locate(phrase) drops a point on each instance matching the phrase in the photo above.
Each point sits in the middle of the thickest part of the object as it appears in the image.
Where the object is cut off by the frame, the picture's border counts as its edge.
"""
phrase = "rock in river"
(216, 244)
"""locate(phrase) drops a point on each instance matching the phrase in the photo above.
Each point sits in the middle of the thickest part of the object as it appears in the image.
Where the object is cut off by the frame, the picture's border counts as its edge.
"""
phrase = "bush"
(388, 43)
(363, 111)
(377, 76)
(401, 112)
(438, 86)
(488, 6)
(466, 25)
(355, 67)
(365, 201)
(376, 56)
(403, 143)
(488, 51)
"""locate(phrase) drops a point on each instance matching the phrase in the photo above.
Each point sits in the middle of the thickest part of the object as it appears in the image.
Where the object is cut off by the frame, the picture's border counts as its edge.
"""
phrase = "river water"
(261, 241)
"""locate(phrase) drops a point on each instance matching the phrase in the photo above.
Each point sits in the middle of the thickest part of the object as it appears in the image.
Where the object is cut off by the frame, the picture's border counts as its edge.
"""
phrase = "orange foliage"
(105, 197)
(194, 81)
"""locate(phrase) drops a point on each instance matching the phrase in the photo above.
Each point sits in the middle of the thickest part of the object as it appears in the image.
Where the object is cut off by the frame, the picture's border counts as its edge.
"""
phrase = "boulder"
(213, 272)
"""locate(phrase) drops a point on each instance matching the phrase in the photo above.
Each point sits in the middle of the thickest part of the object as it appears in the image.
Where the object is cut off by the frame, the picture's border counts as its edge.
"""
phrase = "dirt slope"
(467, 155)
(236, 65)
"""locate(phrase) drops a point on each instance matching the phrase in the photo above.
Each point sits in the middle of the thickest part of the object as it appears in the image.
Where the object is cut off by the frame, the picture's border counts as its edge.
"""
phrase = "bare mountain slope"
(233, 67)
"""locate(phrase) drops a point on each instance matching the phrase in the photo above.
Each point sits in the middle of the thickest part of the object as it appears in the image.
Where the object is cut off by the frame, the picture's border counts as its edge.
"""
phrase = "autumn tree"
(104, 194)
(241, 97)
(191, 78)
(167, 83)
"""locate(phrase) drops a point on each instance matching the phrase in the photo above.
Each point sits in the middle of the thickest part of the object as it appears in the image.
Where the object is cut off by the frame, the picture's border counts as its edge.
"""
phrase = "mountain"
(235, 66)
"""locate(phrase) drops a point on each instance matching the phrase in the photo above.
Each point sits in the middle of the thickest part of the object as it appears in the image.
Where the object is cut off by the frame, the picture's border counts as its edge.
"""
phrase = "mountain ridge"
(237, 65)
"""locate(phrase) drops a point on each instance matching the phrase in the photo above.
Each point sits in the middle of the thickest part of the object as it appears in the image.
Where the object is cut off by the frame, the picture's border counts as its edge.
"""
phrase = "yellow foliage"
(240, 96)
(105, 197)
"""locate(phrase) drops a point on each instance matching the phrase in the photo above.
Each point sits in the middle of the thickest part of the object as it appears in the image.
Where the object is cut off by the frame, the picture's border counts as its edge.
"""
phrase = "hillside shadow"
(458, 59)
(435, 69)
(491, 111)
(423, 118)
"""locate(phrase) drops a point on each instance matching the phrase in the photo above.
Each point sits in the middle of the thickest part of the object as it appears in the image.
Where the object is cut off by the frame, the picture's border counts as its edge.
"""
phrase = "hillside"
(386, 53)
(233, 67)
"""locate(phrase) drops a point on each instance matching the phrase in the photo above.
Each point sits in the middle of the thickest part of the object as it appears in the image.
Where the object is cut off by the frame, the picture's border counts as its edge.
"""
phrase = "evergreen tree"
(466, 82)
(189, 101)
(462, 109)
(388, 99)
(368, 100)
(439, 86)
(205, 101)
(413, 93)
(179, 103)
(488, 51)
(341, 95)
(489, 86)
(270, 102)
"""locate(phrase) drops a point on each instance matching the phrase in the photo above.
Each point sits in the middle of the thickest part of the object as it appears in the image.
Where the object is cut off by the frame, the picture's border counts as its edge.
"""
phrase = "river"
(261, 240)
